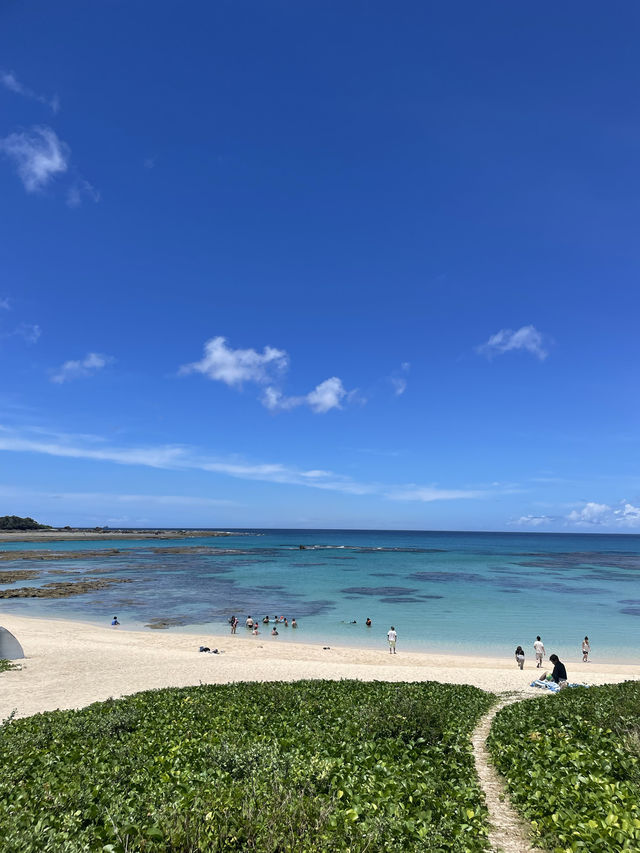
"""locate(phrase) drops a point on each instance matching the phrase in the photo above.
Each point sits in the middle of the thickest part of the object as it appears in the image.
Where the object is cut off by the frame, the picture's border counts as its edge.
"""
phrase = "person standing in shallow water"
(392, 637)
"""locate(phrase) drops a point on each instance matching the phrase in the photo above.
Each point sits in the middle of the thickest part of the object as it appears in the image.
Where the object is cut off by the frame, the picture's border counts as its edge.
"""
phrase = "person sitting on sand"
(274, 631)
(520, 657)
(559, 674)
(114, 621)
(249, 622)
(586, 648)
(294, 624)
(368, 622)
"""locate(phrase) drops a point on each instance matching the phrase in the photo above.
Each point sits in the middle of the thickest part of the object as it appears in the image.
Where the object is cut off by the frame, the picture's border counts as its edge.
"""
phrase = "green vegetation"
(6, 665)
(572, 764)
(309, 766)
(14, 522)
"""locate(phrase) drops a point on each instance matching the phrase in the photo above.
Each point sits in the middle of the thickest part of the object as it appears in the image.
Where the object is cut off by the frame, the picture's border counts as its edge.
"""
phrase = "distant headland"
(13, 528)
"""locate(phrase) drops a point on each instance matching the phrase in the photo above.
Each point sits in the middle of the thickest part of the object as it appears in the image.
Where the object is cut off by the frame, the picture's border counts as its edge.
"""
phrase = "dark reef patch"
(378, 590)
(60, 589)
(400, 600)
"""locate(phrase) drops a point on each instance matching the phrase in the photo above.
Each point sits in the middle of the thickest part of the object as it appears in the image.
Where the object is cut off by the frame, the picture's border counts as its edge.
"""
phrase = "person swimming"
(368, 622)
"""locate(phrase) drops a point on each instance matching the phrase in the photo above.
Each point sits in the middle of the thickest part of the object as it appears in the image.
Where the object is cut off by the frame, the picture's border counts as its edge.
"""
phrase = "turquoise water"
(456, 592)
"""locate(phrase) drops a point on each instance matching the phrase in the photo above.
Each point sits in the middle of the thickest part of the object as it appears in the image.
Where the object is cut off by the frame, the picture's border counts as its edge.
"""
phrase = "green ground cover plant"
(304, 766)
(572, 765)
(6, 665)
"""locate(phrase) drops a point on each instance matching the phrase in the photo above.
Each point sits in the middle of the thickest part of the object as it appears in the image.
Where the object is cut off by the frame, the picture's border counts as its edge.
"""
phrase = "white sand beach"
(70, 664)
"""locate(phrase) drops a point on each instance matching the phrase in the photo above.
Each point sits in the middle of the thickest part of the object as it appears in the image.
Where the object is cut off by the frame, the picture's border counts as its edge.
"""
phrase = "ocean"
(483, 593)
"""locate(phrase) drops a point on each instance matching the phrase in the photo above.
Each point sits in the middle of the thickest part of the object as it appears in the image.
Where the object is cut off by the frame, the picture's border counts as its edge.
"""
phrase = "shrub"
(307, 766)
(572, 765)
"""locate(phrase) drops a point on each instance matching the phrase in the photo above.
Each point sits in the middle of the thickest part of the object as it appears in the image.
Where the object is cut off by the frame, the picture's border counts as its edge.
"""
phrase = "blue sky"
(320, 264)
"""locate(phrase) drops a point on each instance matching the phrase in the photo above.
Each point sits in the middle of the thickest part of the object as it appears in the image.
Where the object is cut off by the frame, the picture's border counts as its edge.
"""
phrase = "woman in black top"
(559, 670)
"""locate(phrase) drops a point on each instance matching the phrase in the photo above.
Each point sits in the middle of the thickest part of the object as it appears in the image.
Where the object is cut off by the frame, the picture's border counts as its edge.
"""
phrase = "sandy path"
(70, 664)
(509, 832)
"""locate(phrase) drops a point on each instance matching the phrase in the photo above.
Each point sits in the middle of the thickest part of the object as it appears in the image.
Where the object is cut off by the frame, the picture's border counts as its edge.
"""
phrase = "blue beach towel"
(552, 686)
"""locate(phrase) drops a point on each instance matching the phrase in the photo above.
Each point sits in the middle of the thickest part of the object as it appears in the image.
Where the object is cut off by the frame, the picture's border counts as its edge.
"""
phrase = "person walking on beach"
(586, 648)
(392, 636)
(538, 648)
(520, 657)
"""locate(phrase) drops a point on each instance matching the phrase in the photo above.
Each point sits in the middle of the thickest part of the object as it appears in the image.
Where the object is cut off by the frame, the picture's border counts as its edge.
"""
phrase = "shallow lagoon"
(456, 592)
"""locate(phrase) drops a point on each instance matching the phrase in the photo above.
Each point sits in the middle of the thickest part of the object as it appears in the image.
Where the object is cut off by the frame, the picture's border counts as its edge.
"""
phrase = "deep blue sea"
(456, 592)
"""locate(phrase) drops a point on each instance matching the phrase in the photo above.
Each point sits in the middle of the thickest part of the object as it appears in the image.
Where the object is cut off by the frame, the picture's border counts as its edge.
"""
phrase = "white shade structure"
(10, 648)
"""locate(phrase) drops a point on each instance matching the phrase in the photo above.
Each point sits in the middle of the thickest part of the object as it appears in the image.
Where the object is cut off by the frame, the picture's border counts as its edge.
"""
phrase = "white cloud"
(324, 397)
(5, 304)
(80, 190)
(594, 514)
(591, 513)
(327, 395)
(82, 368)
(236, 366)
(532, 520)
(628, 516)
(526, 338)
(39, 155)
(179, 457)
(9, 80)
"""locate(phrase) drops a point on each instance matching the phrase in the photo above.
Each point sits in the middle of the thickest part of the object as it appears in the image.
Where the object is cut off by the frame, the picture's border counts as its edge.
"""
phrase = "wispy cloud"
(30, 332)
(181, 457)
(527, 338)
(235, 367)
(81, 190)
(427, 494)
(92, 498)
(81, 368)
(532, 520)
(399, 379)
(9, 80)
(38, 154)
(5, 305)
